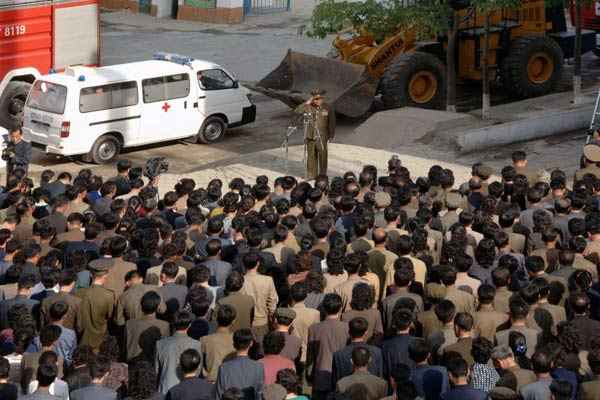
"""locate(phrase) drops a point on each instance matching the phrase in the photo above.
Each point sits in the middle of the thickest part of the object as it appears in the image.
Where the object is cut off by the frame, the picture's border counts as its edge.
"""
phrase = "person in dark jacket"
(458, 372)
(191, 387)
(342, 359)
(17, 153)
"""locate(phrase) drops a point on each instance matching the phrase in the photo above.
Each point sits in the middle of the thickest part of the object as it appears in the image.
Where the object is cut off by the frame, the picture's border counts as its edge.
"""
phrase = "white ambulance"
(95, 112)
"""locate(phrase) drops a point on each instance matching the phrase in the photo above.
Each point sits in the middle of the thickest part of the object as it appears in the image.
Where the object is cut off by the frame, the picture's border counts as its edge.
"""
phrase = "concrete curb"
(557, 121)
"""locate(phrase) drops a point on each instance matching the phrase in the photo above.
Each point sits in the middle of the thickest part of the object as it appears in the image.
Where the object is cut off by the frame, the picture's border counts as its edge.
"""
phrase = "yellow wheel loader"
(526, 49)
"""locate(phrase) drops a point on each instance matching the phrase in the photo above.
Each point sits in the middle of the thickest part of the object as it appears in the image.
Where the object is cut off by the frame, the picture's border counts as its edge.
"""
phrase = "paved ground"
(250, 51)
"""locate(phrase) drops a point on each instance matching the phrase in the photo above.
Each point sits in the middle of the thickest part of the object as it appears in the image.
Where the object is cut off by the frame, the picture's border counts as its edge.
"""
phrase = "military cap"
(485, 171)
(99, 267)
(382, 199)
(282, 312)
(318, 92)
(591, 151)
(454, 200)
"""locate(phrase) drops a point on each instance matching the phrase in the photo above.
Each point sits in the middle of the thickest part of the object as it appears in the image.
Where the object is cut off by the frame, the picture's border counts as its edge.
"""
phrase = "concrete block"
(393, 128)
(550, 123)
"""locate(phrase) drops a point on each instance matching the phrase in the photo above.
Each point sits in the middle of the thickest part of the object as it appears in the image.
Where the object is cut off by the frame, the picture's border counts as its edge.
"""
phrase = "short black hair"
(50, 334)
(234, 282)
(182, 320)
(242, 339)
(357, 327)
(402, 319)
(226, 314)
(541, 362)
(46, 374)
(273, 342)
(189, 361)
(419, 349)
(481, 350)
(169, 269)
(332, 303)
(150, 302)
(464, 321)
(58, 310)
(445, 311)
(457, 367)
(486, 294)
(361, 356)
(99, 366)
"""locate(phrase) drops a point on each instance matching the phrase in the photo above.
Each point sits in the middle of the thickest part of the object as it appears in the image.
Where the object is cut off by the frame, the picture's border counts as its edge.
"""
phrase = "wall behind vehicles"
(45, 34)
(76, 36)
(25, 35)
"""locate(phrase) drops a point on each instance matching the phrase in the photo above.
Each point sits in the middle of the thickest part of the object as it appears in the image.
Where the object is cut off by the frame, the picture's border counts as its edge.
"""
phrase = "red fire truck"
(38, 36)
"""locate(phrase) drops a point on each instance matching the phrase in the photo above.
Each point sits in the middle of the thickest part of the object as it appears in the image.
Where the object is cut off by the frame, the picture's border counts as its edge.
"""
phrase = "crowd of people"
(375, 285)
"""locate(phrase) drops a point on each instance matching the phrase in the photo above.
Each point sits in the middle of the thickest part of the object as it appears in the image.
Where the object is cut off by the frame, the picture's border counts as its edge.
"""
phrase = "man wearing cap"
(96, 308)
(591, 154)
(454, 201)
(319, 130)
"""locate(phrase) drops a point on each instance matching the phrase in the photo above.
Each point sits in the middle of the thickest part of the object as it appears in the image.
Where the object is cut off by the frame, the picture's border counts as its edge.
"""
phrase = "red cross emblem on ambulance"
(166, 106)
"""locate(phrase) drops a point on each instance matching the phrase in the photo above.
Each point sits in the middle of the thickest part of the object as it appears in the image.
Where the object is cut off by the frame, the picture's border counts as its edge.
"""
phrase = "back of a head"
(357, 327)
(332, 303)
(541, 362)
(242, 339)
(273, 343)
(419, 349)
(458, 367)
(150, 302)
(189, 361)
(361, 356)
(481, 350)
(46, 374)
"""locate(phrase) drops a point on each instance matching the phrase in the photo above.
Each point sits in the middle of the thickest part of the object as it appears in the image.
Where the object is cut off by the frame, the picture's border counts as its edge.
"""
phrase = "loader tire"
(533, 66)
(12, 102)
(414, 79)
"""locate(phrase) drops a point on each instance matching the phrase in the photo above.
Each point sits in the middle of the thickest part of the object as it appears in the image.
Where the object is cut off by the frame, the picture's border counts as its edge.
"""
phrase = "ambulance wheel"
(105, 149)
(212, 130)
(12, 103)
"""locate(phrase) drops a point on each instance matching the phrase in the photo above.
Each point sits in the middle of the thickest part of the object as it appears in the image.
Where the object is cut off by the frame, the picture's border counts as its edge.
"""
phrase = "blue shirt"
(64, 346)
(431, 381)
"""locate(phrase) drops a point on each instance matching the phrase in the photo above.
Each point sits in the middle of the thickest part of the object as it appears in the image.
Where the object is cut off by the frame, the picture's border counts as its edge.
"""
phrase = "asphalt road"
(250, 51)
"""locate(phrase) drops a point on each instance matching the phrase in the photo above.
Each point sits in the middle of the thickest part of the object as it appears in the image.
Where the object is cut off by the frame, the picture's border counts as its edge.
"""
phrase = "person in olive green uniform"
(591, 154)
(320, 130)
(96, 308)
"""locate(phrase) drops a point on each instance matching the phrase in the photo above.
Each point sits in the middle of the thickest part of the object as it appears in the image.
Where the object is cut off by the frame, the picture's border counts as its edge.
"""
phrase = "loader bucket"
(349, 87)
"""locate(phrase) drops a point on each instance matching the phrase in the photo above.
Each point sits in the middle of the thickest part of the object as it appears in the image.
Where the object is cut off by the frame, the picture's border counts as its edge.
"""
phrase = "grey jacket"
(166, 361)
(94, 392)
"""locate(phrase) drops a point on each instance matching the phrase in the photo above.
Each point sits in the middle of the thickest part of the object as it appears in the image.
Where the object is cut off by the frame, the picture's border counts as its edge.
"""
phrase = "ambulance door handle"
(202, 97)
(195, 105)
(185, 104)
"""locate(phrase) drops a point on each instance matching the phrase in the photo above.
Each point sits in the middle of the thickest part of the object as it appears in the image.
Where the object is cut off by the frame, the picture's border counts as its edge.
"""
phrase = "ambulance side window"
(106, 97)
(166, 88)
(215, 79)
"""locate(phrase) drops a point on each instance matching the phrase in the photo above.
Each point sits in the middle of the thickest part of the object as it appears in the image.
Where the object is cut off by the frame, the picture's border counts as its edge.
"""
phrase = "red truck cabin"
(37, 36)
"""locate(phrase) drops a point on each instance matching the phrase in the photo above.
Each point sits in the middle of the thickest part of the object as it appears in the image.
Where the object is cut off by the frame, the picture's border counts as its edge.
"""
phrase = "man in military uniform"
(96, 307)
(591, 154)
(320, 128)
(17, 153)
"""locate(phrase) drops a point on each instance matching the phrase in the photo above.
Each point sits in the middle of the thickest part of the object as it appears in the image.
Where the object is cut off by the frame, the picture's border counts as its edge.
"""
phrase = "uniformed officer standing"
(319, 129)
(591, 154)
(17, 153)
(96, 307)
